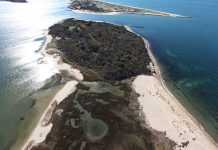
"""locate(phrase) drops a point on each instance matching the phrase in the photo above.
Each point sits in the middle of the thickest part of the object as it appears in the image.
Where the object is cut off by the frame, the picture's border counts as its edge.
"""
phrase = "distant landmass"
(95, 6)
(17, 1)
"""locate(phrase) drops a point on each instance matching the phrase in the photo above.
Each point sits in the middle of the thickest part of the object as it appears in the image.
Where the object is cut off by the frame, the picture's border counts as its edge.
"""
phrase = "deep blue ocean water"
(186, 49)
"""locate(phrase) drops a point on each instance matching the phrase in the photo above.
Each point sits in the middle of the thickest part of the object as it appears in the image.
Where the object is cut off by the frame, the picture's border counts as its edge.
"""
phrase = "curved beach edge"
(163, 112)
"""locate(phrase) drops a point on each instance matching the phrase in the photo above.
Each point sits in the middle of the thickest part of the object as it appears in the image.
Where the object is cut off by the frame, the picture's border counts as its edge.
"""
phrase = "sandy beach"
(44, 127)
(163, 112)
(95, 13)
(155, 13)
(161, 109)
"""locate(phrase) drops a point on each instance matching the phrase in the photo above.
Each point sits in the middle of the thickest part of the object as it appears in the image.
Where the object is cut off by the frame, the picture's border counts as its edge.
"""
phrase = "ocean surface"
(186, 49)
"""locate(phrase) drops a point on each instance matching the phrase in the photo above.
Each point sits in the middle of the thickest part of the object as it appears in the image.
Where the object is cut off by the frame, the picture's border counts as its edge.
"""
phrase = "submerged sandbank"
(43, 127)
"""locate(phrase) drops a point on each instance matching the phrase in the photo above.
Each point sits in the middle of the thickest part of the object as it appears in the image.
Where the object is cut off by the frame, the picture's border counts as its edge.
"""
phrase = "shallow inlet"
(42, 100)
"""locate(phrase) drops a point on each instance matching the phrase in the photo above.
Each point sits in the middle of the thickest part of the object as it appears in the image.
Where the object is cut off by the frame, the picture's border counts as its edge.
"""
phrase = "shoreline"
(118, 13)
(162, 13)
(158, 77)
(29, 143)
(70, 87)
(150, 11)
(43, 126)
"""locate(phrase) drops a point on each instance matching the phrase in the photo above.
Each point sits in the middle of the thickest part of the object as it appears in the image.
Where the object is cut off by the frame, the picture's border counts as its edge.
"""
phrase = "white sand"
(163, 112)
(41, 131)
(57, 62)
(95, 13)
(44, 127)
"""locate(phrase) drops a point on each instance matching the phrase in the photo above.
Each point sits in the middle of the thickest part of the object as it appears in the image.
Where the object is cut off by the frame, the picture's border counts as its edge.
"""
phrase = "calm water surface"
(185, 48)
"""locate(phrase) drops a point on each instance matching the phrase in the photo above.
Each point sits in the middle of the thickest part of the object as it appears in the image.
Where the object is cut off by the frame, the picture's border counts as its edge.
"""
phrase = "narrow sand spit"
(95, 13)
(44, 127)
(149, 12)
(163, 112)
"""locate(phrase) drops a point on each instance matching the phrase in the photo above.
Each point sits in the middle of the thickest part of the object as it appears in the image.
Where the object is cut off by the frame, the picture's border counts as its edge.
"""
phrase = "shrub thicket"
(110, 50)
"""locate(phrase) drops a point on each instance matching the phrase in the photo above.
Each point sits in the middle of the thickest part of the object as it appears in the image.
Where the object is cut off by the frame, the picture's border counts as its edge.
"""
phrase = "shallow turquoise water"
(185, 48)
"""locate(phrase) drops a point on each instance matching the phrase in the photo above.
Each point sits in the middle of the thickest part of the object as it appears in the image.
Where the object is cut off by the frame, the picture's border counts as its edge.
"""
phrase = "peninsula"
(95, 6)
(116, 98)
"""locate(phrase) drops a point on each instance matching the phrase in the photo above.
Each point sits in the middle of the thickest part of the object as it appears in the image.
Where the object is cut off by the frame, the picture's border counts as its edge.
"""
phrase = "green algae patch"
(103, 87)
(95, 129)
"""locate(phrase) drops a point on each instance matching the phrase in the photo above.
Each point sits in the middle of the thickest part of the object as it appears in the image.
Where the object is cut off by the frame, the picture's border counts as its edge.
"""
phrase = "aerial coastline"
(110, 99)
(180, 126)
(43, 127)
(180, 83)
(183, 130)
(99, 7)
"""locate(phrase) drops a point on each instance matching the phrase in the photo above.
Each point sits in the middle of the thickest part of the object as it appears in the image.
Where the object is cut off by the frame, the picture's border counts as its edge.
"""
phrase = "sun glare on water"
(33, 18)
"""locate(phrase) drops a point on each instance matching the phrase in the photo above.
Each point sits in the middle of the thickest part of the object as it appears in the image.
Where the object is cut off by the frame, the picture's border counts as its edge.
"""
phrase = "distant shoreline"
(106, 8)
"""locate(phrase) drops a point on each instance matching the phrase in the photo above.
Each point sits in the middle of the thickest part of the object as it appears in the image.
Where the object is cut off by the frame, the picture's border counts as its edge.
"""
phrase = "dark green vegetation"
(86, 5)
(110, 50)
(98, 121)
(105, 7)
(101, 115)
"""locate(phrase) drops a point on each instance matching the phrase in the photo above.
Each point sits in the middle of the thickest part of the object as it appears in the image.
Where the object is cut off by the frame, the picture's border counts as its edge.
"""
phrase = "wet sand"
(44, 127)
